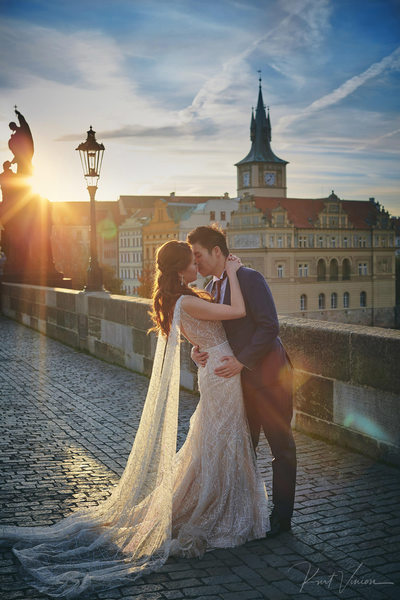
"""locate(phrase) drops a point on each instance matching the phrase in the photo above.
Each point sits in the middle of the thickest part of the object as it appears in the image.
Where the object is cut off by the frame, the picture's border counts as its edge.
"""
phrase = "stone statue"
(25, 219)
(21, 145)
(7, 178)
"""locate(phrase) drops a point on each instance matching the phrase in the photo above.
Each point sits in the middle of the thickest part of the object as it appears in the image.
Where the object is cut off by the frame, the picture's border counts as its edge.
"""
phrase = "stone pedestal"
(26, 219)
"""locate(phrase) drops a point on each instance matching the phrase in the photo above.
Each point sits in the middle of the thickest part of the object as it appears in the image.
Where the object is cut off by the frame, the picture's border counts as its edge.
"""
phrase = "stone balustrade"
(347, 377)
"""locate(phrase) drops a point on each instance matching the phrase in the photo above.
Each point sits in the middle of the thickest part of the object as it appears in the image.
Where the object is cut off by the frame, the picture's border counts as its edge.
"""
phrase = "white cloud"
(392, 61)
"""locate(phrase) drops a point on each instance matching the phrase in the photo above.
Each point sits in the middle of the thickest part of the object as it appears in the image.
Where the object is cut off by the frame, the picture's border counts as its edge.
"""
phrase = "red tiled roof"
(78, 213)
(303, 212)
(70, 213)
(132, 202)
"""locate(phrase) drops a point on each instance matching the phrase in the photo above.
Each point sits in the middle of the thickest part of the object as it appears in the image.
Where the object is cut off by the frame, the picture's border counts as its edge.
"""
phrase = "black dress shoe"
(278, 526)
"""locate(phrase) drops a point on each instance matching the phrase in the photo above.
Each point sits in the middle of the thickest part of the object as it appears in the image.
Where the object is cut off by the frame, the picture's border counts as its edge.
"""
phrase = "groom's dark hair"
(209, 236)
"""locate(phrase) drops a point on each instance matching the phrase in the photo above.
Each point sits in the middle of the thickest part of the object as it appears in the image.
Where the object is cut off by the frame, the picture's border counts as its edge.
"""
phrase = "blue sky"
(169, 86)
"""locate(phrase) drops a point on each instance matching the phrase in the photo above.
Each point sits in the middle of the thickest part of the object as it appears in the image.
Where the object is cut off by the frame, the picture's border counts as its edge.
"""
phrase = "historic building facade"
(71, 237)
(130, 249)
(173, 217)
(325, 258)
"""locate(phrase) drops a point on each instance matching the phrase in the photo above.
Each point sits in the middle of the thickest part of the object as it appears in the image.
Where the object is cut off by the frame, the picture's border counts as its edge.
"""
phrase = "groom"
(260, 358)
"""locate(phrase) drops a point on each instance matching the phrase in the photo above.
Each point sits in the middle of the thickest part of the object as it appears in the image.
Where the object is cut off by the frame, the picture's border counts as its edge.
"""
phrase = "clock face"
(269, 178)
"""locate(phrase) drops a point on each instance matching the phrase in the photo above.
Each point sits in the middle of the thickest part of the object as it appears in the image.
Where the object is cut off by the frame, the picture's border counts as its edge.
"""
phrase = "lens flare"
(107, 229)
(365, 425)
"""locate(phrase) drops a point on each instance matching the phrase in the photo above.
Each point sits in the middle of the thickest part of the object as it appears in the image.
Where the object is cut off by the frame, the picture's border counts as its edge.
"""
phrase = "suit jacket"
(255, 336)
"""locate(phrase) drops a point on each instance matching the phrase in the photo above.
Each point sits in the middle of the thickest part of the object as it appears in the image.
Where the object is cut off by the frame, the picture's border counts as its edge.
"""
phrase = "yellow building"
(165, 223)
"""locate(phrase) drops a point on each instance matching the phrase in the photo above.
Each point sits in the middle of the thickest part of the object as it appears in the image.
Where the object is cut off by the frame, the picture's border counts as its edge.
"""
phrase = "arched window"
(321, 270)
(333, 270)
(363, 299)
(346, 300)
(303, 302)
(334, 300)
(346, 269)
(321, 301)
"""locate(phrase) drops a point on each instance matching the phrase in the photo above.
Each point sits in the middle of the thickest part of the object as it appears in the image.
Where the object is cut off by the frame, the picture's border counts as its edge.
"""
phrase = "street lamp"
(91, 155)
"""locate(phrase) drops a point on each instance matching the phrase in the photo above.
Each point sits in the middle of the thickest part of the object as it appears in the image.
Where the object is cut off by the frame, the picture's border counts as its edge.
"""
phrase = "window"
(362, 242)
(345, 242)
(321, 270)
(321, 301)
(320, 242)
(334, 300)
(302, 241)
(212, 215)
(246, 179)
(363, 299)
(271, 241)
(346, 269)
(303, 302)
(223, 215)
(362, 269)
(333, 270)
(280, 244)
(346, 300)
(280, 270)
(303, 270)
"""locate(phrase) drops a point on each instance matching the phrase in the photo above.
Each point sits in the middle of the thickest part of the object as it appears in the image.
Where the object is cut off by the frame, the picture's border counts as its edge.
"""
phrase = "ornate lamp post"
(91, 155)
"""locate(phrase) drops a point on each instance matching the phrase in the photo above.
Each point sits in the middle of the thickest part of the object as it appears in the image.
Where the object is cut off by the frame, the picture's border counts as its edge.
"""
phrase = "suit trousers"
(268, 398)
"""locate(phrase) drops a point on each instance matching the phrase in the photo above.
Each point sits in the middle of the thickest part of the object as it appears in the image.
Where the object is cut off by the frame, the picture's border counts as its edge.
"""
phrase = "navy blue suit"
(267, 380)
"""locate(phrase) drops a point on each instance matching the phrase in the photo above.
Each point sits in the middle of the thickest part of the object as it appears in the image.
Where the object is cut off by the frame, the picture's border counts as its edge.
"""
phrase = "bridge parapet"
(347, 377)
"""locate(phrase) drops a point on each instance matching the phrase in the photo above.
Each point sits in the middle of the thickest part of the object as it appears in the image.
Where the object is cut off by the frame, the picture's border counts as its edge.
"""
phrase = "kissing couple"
(210, 493)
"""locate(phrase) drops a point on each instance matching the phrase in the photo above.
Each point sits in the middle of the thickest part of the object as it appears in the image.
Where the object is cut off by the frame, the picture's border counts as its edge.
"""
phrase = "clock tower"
(261, 172)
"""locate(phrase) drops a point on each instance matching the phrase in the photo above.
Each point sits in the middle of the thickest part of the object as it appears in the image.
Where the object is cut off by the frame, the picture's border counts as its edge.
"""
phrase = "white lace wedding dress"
(208, 495)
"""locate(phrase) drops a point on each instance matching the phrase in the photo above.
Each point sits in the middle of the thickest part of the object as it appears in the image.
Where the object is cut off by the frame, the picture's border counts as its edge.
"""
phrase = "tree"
(145, 289)
(111, 282)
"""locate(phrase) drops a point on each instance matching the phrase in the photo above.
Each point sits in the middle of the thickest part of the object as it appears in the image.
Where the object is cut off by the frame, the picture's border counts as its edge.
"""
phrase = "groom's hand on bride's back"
(200, 358)
(230, 366)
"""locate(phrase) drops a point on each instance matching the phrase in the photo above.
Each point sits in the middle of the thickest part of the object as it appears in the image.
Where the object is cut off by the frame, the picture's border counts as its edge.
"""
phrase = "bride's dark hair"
(171, 257)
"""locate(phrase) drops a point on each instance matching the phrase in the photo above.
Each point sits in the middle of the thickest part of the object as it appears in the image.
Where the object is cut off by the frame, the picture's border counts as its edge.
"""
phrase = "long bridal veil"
(129, 534)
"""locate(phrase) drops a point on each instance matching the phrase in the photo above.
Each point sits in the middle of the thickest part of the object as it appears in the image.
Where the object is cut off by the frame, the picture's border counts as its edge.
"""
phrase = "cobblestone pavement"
(68, 421)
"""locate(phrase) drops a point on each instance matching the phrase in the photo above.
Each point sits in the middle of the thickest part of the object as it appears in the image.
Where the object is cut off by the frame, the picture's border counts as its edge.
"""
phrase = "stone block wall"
(347, 384)
(347, 377)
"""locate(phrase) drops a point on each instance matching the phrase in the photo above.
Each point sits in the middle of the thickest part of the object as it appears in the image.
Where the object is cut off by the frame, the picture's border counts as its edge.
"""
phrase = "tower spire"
(260, 134)
(252, 126)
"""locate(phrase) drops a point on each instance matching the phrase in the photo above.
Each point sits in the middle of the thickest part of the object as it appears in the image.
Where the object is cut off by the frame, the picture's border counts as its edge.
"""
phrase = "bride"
(167, 503)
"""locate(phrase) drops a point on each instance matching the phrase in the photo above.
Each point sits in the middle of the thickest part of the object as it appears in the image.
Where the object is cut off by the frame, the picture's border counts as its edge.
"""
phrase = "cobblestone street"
(67, 425)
